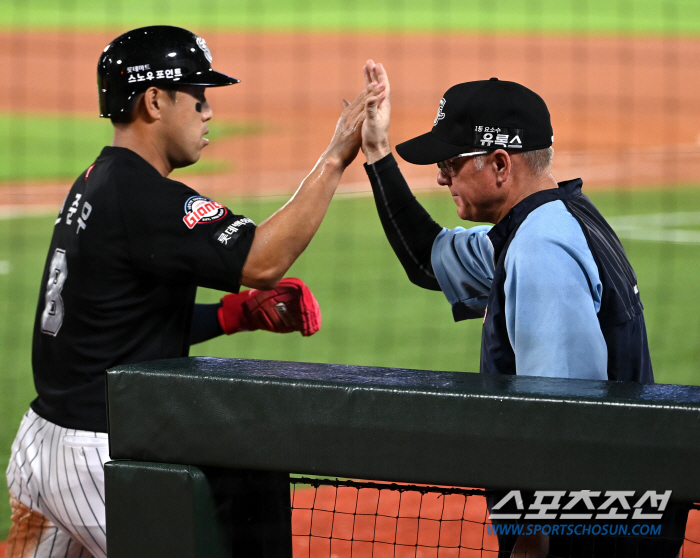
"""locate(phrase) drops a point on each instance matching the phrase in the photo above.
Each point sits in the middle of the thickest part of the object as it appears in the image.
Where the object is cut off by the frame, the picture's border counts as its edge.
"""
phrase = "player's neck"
(132, 137)
(523, 188)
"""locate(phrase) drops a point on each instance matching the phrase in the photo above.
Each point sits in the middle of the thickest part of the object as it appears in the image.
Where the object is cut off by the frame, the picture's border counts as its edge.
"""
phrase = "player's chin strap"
(290, 306)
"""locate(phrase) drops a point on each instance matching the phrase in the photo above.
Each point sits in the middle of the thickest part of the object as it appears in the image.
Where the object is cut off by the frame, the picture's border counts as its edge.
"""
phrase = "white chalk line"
(651, 227)
(658, 227)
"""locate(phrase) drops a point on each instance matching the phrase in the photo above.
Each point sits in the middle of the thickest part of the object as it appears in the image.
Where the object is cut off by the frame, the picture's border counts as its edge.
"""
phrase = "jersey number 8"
(52, 317)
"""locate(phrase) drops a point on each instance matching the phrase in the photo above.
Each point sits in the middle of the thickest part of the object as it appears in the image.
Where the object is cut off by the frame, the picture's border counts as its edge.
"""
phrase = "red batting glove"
(290, 306)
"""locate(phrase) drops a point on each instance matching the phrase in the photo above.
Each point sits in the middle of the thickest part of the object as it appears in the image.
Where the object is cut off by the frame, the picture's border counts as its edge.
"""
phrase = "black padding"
(156, 510)
(408, 425)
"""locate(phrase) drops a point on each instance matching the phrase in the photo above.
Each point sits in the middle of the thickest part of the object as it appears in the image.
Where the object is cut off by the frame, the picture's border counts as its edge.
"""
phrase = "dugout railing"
(202, 447)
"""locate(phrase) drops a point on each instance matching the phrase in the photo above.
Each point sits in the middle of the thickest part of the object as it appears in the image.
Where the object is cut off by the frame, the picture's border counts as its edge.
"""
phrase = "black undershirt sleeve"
(205, 323)
(407, 225)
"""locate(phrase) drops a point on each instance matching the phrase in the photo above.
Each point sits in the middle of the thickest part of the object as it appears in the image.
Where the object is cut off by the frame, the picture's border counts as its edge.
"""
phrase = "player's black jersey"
(128, 250)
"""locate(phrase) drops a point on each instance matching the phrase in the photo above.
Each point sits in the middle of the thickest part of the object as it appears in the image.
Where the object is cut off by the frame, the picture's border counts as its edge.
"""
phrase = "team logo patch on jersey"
(199, 209)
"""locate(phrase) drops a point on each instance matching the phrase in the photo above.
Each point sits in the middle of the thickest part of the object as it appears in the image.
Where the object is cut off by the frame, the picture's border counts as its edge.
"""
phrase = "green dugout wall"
(184, 432)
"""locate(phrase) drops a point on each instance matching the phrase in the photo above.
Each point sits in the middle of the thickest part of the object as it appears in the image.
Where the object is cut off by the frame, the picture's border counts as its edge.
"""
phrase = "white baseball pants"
(56, 483)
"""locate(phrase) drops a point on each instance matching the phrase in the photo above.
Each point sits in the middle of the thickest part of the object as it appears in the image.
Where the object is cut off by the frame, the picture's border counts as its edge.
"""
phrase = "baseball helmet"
(159, 55)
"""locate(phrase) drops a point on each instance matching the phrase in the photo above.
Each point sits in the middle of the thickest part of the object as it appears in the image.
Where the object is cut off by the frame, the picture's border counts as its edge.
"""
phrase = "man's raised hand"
(375, 128)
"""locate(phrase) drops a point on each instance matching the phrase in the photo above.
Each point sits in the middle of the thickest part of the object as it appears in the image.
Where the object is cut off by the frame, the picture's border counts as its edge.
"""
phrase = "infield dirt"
(624, 110)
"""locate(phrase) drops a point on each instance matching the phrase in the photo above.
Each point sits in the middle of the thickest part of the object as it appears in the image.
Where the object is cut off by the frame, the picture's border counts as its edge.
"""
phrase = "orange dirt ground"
(623, 109)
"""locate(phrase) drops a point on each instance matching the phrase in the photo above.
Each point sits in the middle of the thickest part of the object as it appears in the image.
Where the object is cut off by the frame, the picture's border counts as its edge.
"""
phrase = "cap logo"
(201, 43)
(440, 114)
(491, 137)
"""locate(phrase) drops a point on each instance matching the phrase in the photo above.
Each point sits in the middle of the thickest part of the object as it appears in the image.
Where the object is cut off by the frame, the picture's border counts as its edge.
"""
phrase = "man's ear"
(503, 165)
(153, 101)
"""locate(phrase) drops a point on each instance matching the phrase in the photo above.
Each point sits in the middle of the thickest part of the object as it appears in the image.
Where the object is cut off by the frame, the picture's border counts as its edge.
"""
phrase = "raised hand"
(347, 138)
(375, 128)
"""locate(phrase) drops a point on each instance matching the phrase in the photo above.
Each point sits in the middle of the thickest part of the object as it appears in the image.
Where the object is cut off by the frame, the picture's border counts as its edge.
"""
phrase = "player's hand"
(375, 128)
(290, 306)
(348, 132)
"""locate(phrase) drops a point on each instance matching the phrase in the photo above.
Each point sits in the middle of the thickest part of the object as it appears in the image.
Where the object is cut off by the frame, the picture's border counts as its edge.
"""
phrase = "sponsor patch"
(143, 67)
(199, 209)
(226, 235)
(505, 138)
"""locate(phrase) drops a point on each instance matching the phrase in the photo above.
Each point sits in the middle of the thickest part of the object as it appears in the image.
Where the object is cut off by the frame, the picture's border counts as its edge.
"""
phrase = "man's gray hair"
(538, 161)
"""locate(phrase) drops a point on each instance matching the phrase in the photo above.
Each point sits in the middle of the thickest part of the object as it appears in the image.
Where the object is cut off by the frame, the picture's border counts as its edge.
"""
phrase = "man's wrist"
(380, 165)
(331, 164)
(375, 153)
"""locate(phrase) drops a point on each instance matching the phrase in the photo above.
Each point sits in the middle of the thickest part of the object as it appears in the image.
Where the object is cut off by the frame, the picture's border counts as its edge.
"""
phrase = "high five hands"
(346, 141)
(365, 121)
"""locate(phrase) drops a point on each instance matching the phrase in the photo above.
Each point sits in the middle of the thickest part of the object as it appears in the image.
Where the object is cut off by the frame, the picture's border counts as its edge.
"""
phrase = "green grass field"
(550, 16)
(372, 315)
(52, 146)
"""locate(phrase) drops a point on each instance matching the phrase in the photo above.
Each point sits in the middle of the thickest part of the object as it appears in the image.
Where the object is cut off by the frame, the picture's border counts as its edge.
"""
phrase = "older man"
(550, 279)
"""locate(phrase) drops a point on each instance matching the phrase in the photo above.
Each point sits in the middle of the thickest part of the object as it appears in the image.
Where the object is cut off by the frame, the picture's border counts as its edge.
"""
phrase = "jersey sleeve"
(463, 263)
(180, 236)
(409, 228)
(553, 293)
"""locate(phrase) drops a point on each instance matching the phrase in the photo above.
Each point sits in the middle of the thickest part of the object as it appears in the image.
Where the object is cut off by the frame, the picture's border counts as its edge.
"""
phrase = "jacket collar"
(504, 229)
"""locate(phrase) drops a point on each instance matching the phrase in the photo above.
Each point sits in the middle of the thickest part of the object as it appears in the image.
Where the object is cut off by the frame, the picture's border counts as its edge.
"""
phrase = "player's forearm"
(283, 237)
(280, 239)
(205, 323)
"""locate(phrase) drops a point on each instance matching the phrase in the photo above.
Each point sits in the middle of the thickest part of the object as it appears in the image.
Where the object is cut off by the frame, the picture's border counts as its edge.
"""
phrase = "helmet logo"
(440, 114)
(201, 43)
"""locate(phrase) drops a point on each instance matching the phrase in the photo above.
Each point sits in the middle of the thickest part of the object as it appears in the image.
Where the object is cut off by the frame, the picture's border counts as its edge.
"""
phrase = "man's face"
(475, 192)
(184, 125)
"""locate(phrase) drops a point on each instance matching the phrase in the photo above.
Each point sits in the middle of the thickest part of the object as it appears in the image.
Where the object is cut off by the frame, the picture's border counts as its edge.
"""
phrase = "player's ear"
(153, 101)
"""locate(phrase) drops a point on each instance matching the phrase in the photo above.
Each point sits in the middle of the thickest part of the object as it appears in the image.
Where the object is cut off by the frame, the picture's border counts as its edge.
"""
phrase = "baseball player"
(550, 279)
(129, 249)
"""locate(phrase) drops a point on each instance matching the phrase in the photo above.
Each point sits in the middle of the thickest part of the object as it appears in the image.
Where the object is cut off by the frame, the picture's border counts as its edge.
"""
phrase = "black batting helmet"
(159, 55)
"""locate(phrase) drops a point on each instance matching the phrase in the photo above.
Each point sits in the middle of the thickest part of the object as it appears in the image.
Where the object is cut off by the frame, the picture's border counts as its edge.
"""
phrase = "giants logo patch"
(199, 209)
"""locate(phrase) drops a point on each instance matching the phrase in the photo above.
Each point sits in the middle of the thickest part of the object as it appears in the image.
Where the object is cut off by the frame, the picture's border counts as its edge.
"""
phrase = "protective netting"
(334, 518)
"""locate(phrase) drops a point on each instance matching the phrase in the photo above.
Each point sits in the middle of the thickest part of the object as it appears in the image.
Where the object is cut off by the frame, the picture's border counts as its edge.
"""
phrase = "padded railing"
(226, 425)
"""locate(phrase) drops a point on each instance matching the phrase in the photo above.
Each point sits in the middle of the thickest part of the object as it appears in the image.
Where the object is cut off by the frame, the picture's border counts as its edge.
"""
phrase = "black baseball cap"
(489, 114)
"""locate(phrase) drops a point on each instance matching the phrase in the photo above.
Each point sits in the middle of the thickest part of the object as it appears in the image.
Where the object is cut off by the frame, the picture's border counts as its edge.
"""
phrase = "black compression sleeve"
(205, 323)
(407, 225)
